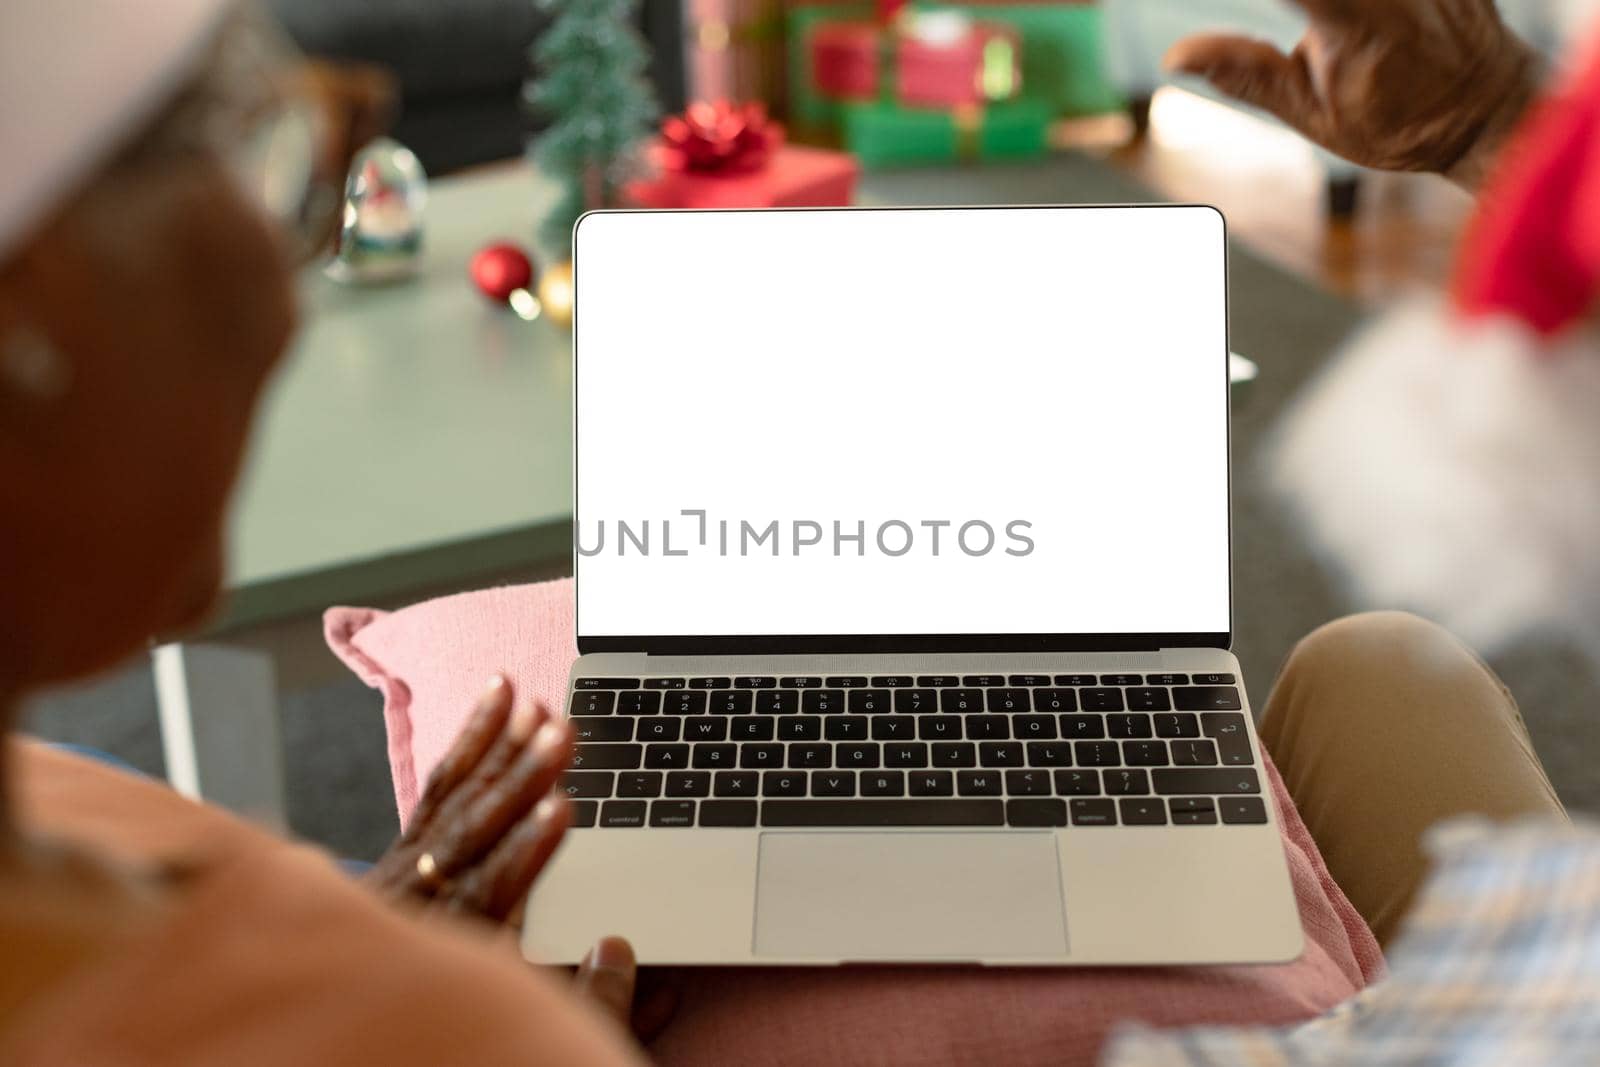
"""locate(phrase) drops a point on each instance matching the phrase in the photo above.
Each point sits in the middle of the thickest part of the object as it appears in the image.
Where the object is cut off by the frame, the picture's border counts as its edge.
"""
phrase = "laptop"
(903, 596)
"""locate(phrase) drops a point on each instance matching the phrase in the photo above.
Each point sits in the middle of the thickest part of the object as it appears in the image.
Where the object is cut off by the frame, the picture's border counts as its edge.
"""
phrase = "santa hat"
(77, 78)
(1448, 461)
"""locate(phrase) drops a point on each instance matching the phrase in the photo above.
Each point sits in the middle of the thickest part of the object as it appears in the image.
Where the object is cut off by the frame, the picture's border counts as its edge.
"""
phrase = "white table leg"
(219, 728)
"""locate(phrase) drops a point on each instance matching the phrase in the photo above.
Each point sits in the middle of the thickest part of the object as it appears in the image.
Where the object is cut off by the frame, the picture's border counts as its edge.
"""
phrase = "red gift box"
(945, 71)
(792, 177)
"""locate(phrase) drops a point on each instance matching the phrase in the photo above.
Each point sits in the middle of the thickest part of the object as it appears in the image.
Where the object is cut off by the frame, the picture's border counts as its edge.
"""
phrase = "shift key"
(1215, 780)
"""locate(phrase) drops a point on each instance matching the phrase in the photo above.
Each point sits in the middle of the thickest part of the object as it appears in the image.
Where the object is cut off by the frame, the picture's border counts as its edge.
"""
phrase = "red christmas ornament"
(720, 137)
(500, 270)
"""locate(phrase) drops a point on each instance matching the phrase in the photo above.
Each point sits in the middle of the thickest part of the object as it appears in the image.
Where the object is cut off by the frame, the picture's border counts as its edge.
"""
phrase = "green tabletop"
(417, 435)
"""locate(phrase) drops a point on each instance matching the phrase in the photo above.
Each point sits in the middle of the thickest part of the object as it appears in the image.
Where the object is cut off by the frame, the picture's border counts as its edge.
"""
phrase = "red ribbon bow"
(720, 137)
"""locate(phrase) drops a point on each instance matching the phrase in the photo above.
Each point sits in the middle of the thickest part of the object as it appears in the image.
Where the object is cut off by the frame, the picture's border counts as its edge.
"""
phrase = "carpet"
(338, 786)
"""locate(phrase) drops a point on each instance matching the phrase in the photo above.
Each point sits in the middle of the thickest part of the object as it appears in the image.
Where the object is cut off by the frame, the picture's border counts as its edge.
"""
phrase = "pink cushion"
(431, 661)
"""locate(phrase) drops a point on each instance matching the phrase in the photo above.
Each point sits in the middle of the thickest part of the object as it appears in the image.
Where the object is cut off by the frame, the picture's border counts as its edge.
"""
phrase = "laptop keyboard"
(900, 750)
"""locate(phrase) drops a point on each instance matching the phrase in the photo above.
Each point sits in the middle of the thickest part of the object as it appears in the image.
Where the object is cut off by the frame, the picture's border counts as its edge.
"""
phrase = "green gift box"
(882, 134)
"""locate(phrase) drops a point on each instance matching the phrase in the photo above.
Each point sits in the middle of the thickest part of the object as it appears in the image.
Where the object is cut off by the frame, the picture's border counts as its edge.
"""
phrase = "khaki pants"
(1382, 725)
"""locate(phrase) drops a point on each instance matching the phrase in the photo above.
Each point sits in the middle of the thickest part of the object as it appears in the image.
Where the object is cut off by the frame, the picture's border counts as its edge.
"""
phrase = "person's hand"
(489, 819)
(608, 977)
(1413, 85)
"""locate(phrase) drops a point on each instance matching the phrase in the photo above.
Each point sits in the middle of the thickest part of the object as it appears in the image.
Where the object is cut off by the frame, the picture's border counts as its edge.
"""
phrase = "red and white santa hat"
(77, 77)
(1448, 460)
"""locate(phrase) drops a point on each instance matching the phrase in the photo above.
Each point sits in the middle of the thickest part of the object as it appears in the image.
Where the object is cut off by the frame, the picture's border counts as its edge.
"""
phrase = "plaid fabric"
(1498, 964)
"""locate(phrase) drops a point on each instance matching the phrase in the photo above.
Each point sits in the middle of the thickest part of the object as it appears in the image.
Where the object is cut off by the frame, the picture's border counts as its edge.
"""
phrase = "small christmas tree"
(590, 83)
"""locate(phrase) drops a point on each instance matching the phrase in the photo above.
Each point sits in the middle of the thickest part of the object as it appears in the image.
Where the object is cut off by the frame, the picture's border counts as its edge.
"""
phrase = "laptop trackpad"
(909, 896)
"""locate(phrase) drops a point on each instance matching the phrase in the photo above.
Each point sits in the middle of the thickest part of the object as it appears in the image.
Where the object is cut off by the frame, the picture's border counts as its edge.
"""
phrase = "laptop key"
(778, 702)
(1100, 699)
(799, 728)
(1121, 679)
(1166, 679)
(639, 784)
(852, 681)
(622, 813)
(1197, 753)
(761, 757)
(1177, 724)
(939, 727)
(1127, 782)
(983, 680)
(689, 784)
(800, 683)
(606, 683)
(736, 784)
(989, 727)
(1028, 783)
(749, 682)
(1134, 724)
(752, 728)
(1076, 679)
(1097, 812)
(893, 728)
(955, 754)
(1237, 810)
(1214, 679)
(1143, 812)
(1149, 700)
(978, 783)
(664, 683)
(869, 701)
(684, 703)
(598, 729)
(667, 757)
(1055, 700)
(607, 757)
(822, 701)
(1029, 681)
(916, 701)
(655, 728)
(1206, 698)
(892, 681)
(964, 812)
(710, 683)
(1096, 753)
(855, 755)
(709, 728)
(883, 784)
(1000, 754)
(845, 728)
(715, 757)
(811, 756)
(584, 813)
(1144, 753)
(961, 701)
(833, 783)
(931, 784)
(1036, 811)
(578, 784)
(905, 755)
(593, 703)
(1083, 727)
(1219, 780)
(731, 702)
(727, 813)
(1049, 754)
(1228, 731)
(783, 784)
(1078, 783)
(1193, 811)
(938, 681)
(1009, 700)
(1034, 727)
(672, 813)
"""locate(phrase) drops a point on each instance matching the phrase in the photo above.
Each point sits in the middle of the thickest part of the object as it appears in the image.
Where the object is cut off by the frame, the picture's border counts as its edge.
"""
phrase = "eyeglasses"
(278, 164)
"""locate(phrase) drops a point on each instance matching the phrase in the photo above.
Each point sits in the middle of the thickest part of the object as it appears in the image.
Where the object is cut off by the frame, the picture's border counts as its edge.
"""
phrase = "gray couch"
(461, 64)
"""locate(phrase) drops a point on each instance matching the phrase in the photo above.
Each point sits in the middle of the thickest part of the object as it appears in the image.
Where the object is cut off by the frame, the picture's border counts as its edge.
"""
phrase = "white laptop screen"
(1000, 421)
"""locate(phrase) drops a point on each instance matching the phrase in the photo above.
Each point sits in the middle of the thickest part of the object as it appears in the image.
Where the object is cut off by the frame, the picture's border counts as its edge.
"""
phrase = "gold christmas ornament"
(555, 293)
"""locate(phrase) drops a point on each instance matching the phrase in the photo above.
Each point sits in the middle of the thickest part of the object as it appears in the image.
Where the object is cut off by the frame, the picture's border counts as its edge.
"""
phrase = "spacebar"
(883, 813)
